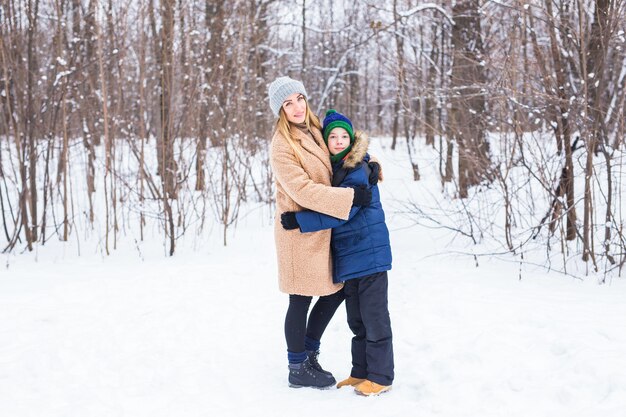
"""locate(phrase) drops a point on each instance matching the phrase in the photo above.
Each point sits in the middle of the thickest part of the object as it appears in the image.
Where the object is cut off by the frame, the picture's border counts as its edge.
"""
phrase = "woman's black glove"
(362, 196)
(288, 220)
(374, 172)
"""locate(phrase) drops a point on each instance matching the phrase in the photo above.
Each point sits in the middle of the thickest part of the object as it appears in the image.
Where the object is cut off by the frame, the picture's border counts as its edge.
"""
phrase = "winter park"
(297, 207)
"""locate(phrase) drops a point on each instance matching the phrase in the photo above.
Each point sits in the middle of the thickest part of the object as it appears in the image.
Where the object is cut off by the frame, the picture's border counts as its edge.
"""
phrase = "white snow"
(60, 75)
(201, 334)
(426, 6)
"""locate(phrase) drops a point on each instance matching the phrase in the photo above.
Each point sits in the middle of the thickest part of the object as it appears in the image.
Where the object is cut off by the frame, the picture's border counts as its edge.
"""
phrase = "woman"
(301, 165)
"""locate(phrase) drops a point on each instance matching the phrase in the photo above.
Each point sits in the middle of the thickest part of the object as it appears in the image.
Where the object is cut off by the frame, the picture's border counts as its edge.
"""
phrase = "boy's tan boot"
(368, 388)
(350, 381)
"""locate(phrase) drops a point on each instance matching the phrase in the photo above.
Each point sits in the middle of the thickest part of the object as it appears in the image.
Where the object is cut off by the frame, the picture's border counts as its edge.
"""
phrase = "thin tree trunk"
(65, 158)
(168, 165)
(143, 135)
(88, 106)
(400, 94)
(30, 120)
(107, 138)
(593, 54)
(430, 100)
(564, 127)
(444, 126)
(304, 48)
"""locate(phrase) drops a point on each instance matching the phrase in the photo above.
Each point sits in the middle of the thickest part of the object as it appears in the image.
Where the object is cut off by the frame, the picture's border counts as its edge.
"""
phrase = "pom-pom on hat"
(280, 89)
(333, 120)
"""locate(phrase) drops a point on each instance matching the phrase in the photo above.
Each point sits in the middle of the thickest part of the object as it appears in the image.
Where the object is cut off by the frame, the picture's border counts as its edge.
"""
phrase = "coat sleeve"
(311, 221)
(321, 198)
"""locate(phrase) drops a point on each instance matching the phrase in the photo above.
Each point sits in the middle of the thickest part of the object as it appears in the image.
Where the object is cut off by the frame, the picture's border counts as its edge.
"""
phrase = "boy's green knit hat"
(333, 120)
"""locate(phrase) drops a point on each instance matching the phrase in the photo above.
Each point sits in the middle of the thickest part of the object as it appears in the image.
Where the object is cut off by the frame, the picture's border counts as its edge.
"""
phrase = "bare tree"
(467, 114)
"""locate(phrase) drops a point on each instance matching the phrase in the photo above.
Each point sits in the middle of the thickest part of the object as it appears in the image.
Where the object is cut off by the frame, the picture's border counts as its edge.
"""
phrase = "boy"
(361, 258)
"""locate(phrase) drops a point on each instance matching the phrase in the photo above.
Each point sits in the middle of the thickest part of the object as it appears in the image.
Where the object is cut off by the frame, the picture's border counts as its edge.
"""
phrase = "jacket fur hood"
(359, 150)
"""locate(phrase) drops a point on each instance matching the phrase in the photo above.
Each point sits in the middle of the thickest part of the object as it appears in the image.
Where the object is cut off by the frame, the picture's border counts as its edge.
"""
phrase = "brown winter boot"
(368, 388)
(350, 381)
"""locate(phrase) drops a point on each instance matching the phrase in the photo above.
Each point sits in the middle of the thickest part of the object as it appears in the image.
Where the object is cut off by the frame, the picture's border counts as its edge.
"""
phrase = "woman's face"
(338, 140)
(294, 107)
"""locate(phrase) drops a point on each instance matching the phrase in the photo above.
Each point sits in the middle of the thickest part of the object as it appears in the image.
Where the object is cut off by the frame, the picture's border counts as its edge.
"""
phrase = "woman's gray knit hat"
(280, 89)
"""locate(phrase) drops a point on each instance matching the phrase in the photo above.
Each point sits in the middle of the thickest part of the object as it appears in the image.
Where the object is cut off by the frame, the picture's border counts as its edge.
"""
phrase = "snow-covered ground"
(201, 334)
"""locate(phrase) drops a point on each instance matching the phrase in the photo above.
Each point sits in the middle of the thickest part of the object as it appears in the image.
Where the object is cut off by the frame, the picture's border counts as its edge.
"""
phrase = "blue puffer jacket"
(360, 245)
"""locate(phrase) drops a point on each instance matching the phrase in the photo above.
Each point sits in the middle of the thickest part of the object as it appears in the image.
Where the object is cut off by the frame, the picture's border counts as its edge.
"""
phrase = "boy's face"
(294, 107)
(338, 140)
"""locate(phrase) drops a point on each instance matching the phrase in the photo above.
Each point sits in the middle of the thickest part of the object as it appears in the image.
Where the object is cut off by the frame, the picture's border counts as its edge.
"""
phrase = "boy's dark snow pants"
(368, 318)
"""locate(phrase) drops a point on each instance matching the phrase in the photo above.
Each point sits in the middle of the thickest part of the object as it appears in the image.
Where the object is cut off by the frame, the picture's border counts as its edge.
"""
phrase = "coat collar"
(314, 144)
(358, 152)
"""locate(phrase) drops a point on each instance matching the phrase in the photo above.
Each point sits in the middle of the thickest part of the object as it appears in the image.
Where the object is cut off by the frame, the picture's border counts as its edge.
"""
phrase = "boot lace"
(313, 361)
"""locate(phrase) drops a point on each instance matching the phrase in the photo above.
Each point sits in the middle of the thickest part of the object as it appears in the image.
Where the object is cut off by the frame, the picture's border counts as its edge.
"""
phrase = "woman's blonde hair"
(284, 128)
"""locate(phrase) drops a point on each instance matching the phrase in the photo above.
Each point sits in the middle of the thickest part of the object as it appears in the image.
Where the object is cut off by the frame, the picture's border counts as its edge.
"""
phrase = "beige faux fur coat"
(304, 259)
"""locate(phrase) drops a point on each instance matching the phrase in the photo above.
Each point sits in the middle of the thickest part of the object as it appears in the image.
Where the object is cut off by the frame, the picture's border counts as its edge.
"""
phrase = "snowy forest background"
(150, 118)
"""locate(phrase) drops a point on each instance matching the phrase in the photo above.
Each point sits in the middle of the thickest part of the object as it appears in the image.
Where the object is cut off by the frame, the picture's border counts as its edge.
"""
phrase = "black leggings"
(296, 325)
